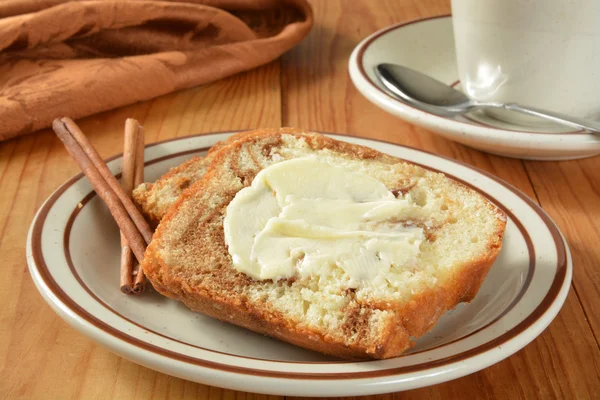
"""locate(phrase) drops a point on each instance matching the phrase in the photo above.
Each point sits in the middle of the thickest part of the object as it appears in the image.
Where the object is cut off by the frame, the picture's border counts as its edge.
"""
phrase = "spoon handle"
(578, 123)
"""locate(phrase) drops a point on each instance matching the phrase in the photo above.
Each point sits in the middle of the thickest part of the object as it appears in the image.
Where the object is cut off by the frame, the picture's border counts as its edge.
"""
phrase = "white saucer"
(73, 252)
(427, 45)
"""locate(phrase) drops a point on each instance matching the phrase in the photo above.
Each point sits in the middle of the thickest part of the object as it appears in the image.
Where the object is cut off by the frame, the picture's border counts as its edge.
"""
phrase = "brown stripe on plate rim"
(548, 300)
(90, 195)
(377, 35)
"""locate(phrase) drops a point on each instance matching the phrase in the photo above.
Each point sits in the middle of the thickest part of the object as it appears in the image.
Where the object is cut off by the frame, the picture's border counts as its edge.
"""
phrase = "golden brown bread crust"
(273, 325)
(419, 316)
(411, 319)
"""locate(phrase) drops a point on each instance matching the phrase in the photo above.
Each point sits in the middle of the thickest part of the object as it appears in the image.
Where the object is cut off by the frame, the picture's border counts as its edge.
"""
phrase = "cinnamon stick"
(130, 167)
(140, 281)
(126, 277)
(94, 157)
(138, 178)
(68, 133)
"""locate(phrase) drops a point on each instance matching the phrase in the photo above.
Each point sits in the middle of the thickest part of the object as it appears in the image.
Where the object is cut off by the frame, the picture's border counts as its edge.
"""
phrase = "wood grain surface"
(41, 357)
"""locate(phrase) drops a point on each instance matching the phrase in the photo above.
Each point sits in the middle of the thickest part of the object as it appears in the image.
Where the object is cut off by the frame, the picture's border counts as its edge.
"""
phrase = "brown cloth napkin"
(77, 58)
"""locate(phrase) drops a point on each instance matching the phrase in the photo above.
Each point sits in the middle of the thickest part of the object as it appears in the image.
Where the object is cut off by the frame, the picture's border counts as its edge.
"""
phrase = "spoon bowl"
(414, 86)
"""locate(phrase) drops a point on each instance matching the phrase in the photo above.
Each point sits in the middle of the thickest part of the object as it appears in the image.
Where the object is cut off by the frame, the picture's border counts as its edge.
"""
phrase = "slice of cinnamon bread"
(327, 309)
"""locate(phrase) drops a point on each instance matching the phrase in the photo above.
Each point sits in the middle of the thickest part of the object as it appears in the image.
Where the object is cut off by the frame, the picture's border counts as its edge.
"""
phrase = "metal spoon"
(436, 97)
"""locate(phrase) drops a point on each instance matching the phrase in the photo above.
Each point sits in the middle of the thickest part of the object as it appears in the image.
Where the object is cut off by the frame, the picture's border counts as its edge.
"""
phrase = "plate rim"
(474, 130)
(564, 269)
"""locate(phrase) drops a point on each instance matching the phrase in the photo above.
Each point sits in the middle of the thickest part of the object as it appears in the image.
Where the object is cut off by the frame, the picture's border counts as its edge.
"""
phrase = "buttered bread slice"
(327, 245)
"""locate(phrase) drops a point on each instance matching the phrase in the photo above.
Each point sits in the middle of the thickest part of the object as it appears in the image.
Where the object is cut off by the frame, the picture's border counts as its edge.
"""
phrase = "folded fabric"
(77, 58)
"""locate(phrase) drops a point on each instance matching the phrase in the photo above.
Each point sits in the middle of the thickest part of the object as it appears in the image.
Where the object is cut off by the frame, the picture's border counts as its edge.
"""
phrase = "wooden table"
(41, 357)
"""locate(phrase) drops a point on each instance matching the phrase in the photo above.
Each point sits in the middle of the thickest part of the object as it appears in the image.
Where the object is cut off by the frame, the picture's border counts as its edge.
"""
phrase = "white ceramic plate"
(427, 45)
(73, 256)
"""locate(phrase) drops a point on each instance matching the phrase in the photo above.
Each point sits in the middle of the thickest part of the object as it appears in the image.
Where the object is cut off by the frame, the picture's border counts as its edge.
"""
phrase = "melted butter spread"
(305, 217)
